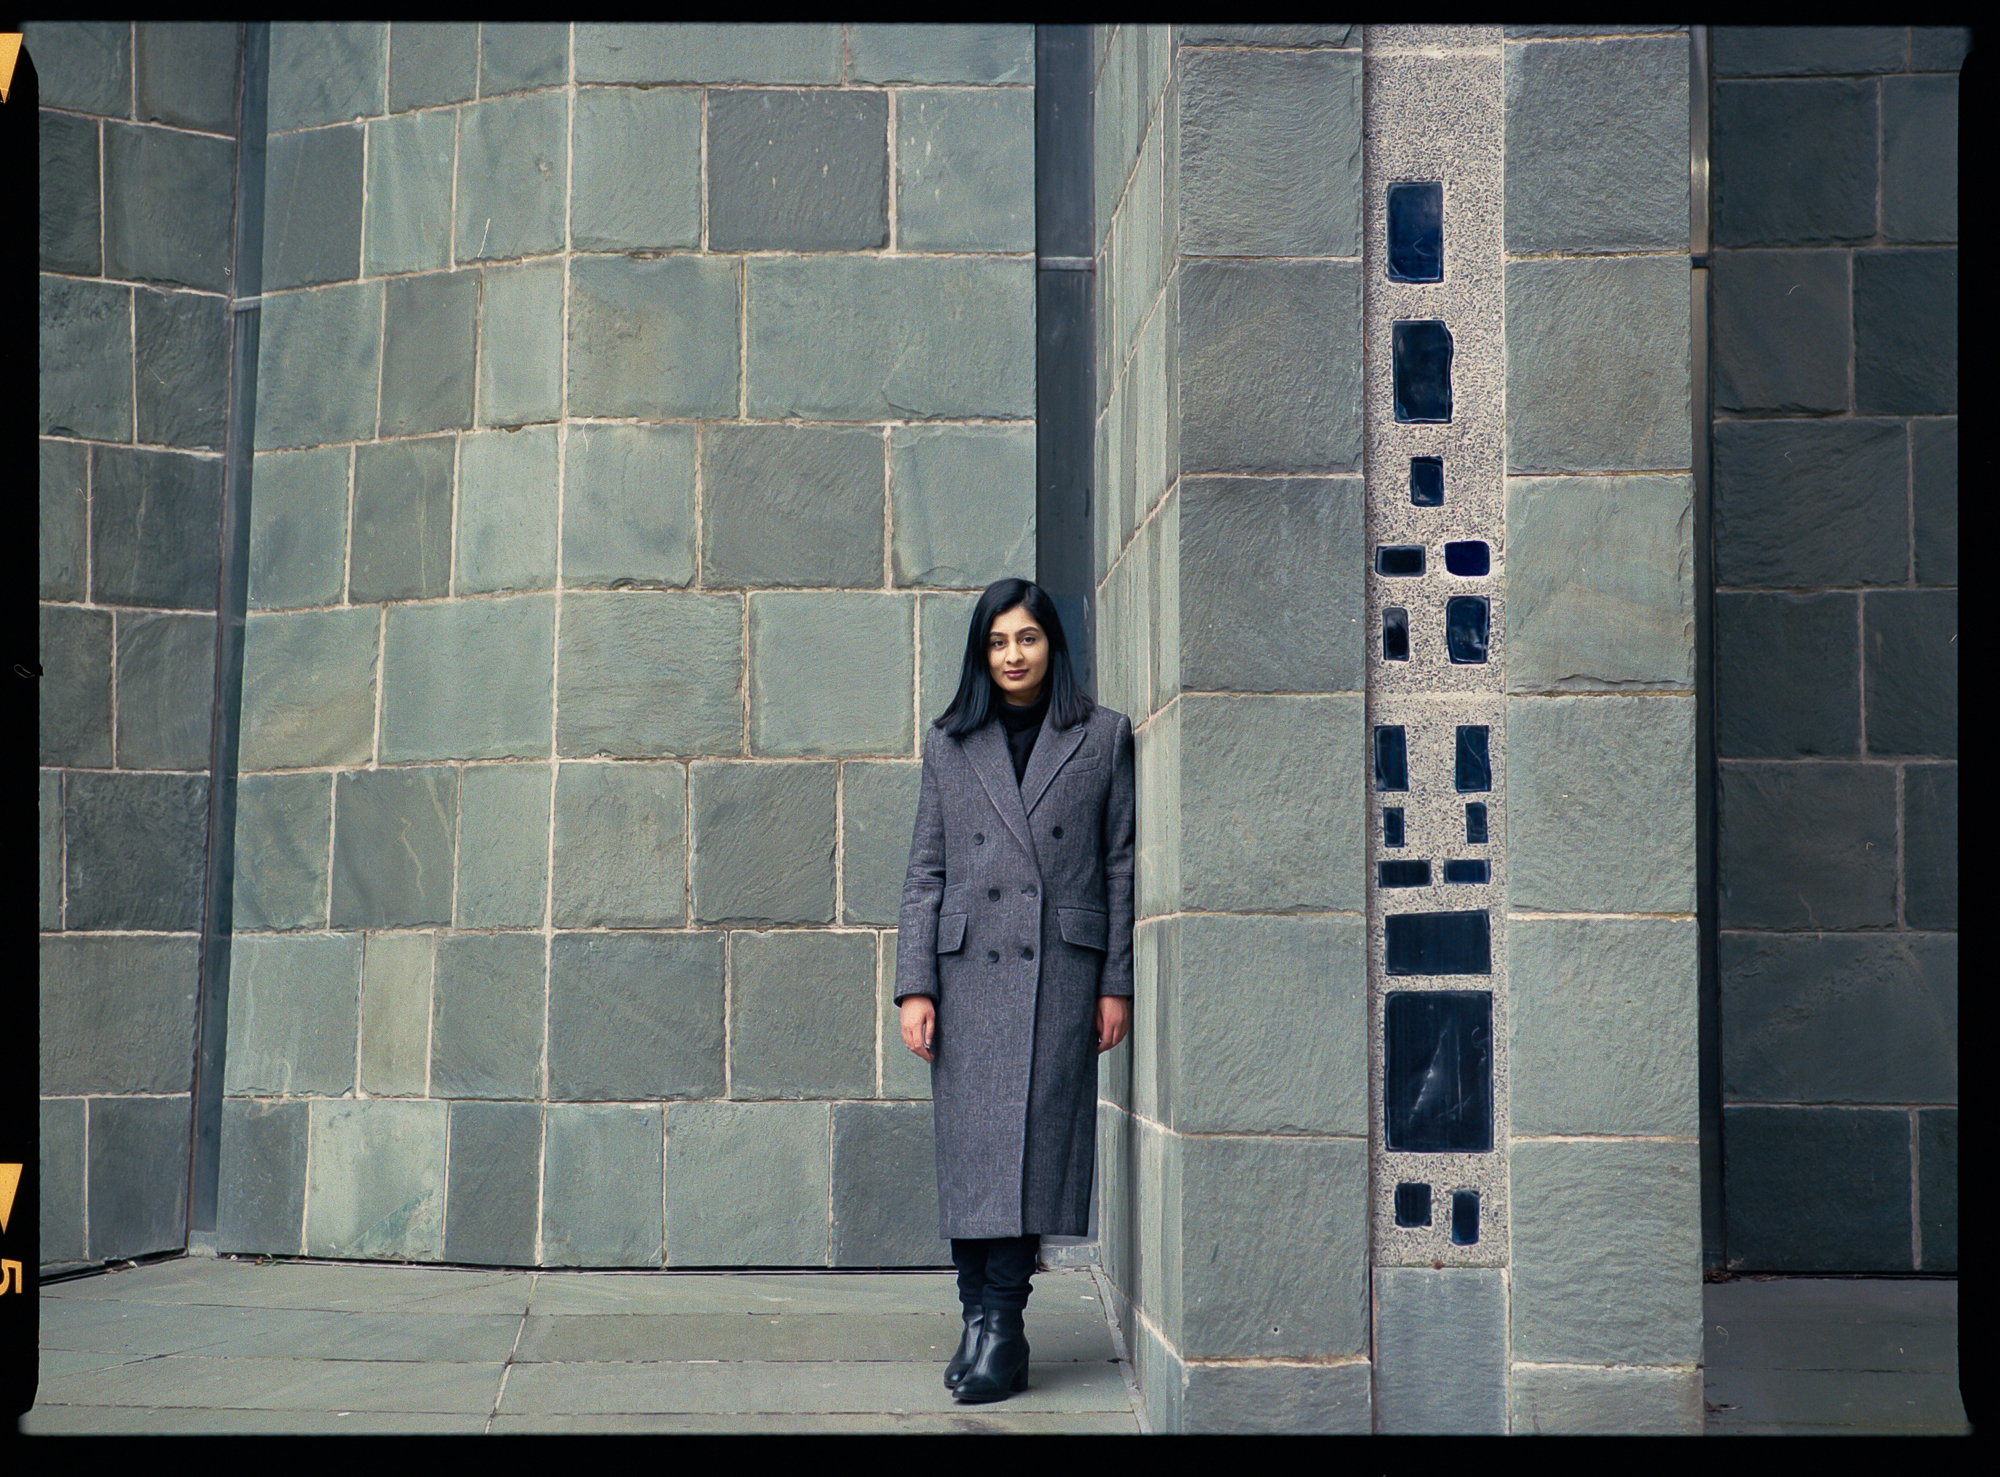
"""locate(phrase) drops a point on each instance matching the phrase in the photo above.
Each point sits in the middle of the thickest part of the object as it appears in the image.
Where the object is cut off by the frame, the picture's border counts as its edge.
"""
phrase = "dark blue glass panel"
(1413, 1204)
(1475, 822)
(1472, 770)
(1464, 1217)
(1438, 943)
(1392, 826)
(1396, 634)
(1405, 874)
(1473, 871)
(1392, 759)
(1437, 1071)
(1465, 629)
(1399, 559)
(1427, 481)
(1416, 233)
(1471, 557)
(1420, 358)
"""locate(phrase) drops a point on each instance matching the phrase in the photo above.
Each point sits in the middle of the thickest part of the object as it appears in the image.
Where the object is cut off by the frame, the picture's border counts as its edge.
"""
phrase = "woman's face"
(1017, 653)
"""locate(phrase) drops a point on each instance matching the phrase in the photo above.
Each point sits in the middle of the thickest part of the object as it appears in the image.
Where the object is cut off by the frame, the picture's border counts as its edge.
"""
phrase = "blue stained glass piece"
(1392, 758)
(1399, 559)
(1437, 1071)
(1467, 871)
(1392, 825)
(1420, 362)
(1471, 557)
(1465, 619)
(1413, 1204)
(1472, 768)
(1416, 232)
(1464, 1217)
(1395, 634)
(1475, 822)
(1405, 874)
(1438, 943)
(1427, 481)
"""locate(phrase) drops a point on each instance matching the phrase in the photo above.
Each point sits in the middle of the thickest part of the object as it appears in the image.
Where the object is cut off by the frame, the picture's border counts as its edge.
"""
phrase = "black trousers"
(993, 1272)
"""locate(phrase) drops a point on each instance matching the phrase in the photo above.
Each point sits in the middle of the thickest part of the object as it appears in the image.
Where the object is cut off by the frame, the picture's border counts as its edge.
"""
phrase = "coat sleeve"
(923, 887)
(1119, 805)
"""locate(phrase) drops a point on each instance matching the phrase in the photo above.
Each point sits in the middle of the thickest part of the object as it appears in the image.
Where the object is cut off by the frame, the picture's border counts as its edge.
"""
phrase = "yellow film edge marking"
(10, 1181)
(10, 52)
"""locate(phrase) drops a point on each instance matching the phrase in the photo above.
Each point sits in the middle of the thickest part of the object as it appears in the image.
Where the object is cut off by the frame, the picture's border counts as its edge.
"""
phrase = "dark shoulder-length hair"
(972, 706)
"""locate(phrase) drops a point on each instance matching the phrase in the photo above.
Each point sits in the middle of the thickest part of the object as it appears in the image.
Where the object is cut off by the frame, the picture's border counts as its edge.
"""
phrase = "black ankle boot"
(1000, 1363)
(968, 1346)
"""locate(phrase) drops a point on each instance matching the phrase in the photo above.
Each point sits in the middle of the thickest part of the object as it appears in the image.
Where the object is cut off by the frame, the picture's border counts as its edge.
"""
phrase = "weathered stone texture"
(1600, 583)
(638, 170)
(507, 526)
(1270, 160)
(284, 824)
(653, 338)
(1794, 162)
(796, 640)
(885, 1187)
(261, 1194)
(409, 179)
(133, 850)
(469, 680)
(1440, 1351)
(325, 73)
(1817, 1189)
(137, 1176)
(1787, 676)
(376, 1189)
(792, 505)
(503, 850)
(1601, 810)
(802, 1015)
(494, 1184)
(298, 528)
(1805, 846)
(432, 62)
(401, 540)
(180, 375)
(601, 1186)
(1579, 1296)
(965, 170)
(628, 506)
(167, 206)
(154, 522)
(513, 171)
(1568, 1400)
(620, 846)
(1805, 503)
(747, 1184)
(1783, 331)
(312, 207)
(486, 1016)
(292, 1015)
(878, 810)
(116, 1014)
(797, 171)
(1602, 1016)
(1839, 1018)
(762, 849)
(962, 504)
(397, 973)
(394, 838)
(635, 1016)
(85, 337)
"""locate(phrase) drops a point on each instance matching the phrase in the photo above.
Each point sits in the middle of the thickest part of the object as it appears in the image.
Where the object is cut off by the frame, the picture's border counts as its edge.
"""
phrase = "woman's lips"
(1022, 673)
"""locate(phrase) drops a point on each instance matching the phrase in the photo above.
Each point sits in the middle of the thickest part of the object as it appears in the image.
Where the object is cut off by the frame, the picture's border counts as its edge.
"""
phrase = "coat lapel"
(1053, 746)
(986, 747)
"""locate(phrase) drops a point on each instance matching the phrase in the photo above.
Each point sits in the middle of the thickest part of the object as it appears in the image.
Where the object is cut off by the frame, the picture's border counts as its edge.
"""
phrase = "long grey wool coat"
(1016, 916)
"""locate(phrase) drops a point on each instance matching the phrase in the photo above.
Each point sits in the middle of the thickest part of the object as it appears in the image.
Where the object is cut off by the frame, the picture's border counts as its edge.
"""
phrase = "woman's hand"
(1114, 1019)
(920, 1025)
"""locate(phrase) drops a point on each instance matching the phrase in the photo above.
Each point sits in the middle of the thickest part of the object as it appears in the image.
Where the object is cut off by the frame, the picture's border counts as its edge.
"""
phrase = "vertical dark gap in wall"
(1710, 987)
(232, 592)
(1065, 349)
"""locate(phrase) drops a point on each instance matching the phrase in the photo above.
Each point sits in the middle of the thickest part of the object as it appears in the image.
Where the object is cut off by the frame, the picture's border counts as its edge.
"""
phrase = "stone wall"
(138, 160)
(1229, 518)
(1835, 186)
(636, 406)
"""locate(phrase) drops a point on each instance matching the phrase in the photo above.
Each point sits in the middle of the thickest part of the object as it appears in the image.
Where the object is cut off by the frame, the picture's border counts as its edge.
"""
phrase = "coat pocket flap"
(1084, 927)
(951, 932)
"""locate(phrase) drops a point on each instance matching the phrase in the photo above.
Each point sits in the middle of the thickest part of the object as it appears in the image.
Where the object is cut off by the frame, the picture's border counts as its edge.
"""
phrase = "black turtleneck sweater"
(1022, 726)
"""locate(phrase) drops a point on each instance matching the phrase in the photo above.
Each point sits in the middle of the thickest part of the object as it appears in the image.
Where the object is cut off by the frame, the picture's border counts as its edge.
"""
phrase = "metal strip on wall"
(1702, 408)
(1065, 345)
(232, 591)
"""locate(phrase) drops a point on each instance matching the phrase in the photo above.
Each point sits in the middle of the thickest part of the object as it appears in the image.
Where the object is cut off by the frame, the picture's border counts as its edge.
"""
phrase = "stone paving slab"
(1815, 1356)
(992, 1421)
(133, 1420)
(909, 1337)
(205, 1382)
(829, 1386)
(751, 1292)
(329, 1285)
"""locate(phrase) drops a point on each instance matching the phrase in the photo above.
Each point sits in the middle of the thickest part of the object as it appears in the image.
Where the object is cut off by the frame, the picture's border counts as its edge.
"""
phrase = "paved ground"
(1824, 1356)
(234, 1346)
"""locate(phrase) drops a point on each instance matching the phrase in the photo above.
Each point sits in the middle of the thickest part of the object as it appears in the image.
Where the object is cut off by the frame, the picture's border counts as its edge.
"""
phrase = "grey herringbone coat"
(1017, 915)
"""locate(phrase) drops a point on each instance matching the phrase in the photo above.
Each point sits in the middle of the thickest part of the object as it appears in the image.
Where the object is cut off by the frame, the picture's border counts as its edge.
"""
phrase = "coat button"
(1027, 892)
(1058, 833)
(1027, 953)
(978, 838)
(993, 892)
(992, 956)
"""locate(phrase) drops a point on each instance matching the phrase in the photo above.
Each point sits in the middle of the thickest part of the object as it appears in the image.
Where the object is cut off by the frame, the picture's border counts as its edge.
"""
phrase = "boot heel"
(1021, 1380)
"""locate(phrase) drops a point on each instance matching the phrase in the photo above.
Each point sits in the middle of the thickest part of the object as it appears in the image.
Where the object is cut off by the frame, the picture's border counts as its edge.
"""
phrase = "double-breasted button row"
(993, 955)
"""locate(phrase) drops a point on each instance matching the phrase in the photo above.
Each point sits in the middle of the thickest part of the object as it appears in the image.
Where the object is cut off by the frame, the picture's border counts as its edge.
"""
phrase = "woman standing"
(1014, 959)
